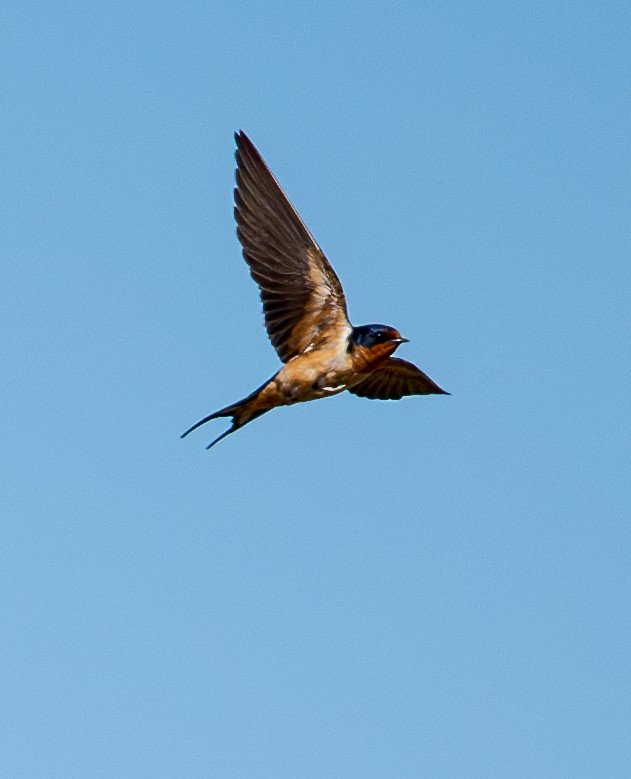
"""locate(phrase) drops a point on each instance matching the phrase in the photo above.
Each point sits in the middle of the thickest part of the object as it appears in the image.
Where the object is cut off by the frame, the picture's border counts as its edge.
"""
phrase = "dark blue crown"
(369, 335)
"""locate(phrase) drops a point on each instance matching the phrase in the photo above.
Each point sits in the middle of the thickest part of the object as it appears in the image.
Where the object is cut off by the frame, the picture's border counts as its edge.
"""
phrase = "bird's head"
(378, 340)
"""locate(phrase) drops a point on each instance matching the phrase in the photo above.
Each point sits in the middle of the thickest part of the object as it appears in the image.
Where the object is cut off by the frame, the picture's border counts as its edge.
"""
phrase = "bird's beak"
(400, 340)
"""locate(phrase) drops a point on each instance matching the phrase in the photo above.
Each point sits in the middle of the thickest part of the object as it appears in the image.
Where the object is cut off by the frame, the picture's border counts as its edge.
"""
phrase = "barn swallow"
(305, 310)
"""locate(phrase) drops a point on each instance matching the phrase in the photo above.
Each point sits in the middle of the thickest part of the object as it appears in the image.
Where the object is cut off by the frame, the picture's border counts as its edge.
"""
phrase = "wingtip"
(241, 139)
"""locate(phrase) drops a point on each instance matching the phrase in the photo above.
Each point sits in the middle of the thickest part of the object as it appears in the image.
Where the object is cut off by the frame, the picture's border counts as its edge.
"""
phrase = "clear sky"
(433, 588)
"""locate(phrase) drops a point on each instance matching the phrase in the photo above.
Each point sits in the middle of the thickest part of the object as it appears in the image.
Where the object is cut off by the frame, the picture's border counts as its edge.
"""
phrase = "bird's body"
(305, 310)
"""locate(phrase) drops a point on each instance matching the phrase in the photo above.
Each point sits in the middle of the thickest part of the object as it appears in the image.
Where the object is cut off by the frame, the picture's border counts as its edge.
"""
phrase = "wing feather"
(303, 300)
(395, 378)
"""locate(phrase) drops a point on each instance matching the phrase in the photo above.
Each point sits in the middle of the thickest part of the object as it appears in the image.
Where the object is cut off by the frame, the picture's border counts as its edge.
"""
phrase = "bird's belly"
(312, 376)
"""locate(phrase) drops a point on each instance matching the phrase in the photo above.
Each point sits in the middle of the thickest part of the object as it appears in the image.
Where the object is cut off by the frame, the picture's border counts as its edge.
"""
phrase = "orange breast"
(365, 359)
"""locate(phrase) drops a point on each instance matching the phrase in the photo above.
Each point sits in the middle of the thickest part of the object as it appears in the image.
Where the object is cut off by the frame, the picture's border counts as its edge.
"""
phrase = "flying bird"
(305, 310)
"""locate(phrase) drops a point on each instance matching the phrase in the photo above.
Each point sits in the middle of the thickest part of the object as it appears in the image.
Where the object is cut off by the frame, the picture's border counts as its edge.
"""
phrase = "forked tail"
(242, 412)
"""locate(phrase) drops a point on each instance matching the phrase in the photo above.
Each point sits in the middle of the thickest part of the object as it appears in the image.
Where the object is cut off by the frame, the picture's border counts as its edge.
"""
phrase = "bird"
(305, 310)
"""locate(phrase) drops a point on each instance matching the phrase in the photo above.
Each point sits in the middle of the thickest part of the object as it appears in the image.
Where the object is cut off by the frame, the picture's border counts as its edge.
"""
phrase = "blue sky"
(432, 588)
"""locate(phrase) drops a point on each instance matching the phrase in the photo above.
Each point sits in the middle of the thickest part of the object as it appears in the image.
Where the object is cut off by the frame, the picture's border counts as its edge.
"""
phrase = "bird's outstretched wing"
(303, 300)
(393, 379)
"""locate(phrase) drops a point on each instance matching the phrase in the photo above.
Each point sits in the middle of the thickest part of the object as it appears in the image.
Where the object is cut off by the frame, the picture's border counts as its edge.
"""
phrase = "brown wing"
(393, 379)
(303, 300)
